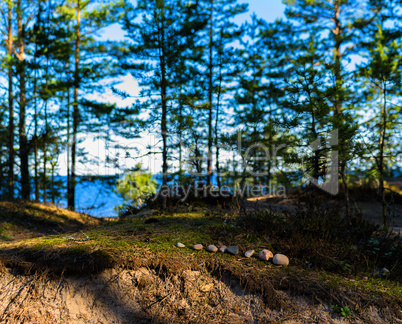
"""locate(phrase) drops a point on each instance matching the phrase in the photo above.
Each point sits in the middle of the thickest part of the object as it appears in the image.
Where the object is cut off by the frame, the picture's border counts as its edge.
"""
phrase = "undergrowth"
(321, 237)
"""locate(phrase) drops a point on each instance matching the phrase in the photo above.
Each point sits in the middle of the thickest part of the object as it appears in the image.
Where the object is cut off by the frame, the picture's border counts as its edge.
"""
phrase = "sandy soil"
(142, 296)
(192, 293)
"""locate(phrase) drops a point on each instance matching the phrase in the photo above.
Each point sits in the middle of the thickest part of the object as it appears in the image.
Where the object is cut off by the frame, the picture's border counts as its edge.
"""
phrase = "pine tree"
(88, 20)
(221, 32)
(308, 101)
(255, 99)
(22, 25)
(10, 59)
(8, 63)
(339, 23)
(157, 45)
(383, 74)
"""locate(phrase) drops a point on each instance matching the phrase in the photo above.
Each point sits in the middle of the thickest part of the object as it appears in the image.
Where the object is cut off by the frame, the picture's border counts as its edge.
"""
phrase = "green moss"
(6, 237)
(135, 237)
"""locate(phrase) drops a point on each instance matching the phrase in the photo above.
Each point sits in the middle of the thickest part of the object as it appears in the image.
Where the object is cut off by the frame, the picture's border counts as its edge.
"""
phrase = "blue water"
(94, 196)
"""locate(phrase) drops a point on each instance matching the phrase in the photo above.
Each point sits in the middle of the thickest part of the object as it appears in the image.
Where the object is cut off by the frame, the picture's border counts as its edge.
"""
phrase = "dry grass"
(28, 219)
(129, 271)
(169, 290)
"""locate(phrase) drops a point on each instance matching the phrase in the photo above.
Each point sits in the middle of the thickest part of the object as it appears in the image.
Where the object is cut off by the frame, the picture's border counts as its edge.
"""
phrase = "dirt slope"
(131, 272)
(19, 220)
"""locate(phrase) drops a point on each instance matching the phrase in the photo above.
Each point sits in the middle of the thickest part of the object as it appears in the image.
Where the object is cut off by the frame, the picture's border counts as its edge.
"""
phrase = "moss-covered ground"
(68, 242)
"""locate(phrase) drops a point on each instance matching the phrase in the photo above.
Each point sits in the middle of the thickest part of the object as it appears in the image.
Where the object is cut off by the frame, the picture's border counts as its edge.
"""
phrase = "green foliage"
(344, 311)
(203, 80)
(135, 187)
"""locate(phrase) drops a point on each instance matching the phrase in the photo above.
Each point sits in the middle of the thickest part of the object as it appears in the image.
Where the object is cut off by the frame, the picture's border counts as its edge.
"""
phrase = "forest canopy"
(316, 95)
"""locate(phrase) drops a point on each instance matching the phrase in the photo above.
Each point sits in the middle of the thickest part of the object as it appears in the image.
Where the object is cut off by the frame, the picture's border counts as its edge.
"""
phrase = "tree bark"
(36, 178)
(71, 198)
(68, 144)
(338, 101)
(10, 105)
(52, 185)
(162, 59)
(180, 137)
(44, 171)
(218, 169)
(210, 94)
(47, 131)
(218, 179)
(383, 125)
(24, 147)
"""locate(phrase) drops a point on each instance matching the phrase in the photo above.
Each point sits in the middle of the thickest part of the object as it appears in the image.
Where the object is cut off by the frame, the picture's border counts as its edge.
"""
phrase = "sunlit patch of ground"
(131, 272)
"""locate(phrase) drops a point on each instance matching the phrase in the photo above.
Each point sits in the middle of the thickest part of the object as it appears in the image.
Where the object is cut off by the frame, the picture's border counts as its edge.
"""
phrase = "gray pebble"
(232, 250)
(212, 248)
(281, 259)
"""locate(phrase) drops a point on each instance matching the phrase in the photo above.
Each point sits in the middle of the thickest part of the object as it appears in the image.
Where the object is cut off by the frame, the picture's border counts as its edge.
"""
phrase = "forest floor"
(365, 201)
(58, 266)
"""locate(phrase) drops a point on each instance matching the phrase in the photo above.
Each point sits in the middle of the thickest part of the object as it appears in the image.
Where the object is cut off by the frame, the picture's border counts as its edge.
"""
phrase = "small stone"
(232, 250)
(222, 249)
(384, 272)
(249, 253)
(198, 247)
(180, 245)
(280, 259)
(266, 255)
(142, 214)
(212, 248)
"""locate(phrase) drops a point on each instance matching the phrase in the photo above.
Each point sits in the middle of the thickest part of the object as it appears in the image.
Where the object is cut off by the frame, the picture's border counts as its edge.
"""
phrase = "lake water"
(93, 195)
(96, 196)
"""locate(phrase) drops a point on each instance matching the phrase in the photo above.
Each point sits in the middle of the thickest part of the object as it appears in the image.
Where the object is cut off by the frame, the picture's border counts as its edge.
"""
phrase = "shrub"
(135, 187)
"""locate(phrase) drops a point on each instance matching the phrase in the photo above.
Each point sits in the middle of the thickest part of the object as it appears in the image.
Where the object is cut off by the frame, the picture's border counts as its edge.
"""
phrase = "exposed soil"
(130, 272)
(150, 295)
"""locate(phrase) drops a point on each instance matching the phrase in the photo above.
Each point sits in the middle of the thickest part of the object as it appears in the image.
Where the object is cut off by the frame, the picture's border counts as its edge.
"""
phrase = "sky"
(267, 9)
(270, 10)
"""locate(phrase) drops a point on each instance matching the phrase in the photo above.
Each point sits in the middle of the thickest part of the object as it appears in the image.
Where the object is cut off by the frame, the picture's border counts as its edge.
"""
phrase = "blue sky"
(266, 9)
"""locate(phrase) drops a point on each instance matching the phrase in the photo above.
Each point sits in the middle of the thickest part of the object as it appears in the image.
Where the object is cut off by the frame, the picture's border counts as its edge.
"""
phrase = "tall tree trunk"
(210, 93)
(337, 32)
(10, 105)
(218, 170)
(270, 140)
(162, 59)
(47, 132)
(71, 201)
(180, 137)
(52, 185)
(36, 178)
(24, 147)
(44, 170)
(68, 144)
(35, 138)
(383, 125)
